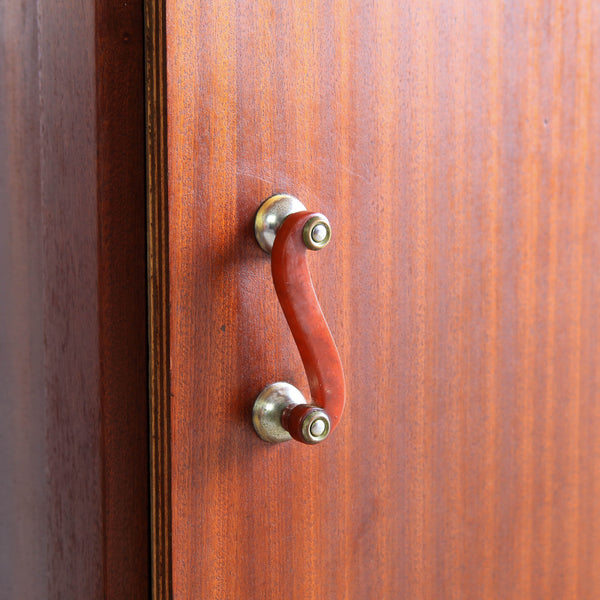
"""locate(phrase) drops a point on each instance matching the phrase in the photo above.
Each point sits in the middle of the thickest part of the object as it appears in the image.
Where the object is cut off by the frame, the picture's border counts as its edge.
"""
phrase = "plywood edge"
(158, 318)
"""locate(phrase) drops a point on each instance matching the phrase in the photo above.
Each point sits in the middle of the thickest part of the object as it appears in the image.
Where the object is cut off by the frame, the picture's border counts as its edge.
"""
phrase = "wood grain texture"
(158, 299)
(71, 364)
(73, 317)
(455, 149)
(24, 536)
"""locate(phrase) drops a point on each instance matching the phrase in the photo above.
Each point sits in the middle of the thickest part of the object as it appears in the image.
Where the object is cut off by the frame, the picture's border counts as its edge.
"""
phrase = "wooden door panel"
(454, 148)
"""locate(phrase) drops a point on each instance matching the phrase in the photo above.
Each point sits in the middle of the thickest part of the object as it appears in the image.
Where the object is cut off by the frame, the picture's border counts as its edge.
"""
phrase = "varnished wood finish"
(73, 362)
(456, 151)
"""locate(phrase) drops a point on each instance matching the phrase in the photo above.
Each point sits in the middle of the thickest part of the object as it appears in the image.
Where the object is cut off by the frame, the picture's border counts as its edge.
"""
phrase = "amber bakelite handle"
(294, 287)
(285, 229)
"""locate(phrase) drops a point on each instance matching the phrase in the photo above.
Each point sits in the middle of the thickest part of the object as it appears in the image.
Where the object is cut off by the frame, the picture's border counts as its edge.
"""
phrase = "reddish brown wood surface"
(73, 358)
(455, 148)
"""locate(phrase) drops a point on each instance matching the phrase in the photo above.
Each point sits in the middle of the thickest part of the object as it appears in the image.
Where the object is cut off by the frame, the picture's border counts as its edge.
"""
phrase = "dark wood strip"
(122, 296)
(158, 299)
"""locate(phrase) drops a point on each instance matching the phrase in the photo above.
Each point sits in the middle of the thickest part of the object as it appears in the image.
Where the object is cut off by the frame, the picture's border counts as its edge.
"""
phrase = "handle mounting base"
(268, 408)
(270, 215)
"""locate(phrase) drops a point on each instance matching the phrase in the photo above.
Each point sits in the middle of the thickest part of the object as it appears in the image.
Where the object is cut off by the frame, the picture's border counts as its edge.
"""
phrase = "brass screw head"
(315, 426)
(317, 232)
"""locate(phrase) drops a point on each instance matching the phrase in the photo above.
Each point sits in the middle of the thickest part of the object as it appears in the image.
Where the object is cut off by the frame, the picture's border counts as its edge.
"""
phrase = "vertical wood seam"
(158, 289)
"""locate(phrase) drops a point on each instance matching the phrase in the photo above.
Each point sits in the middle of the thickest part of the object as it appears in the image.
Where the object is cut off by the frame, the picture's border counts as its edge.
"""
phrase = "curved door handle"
(284, 228)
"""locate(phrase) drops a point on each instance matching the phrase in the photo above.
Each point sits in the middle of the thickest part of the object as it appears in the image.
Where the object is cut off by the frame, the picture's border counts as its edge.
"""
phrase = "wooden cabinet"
(454, 148)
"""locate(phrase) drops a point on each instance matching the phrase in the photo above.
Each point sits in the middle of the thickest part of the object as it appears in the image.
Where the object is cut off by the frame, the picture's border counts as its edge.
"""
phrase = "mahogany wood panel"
(73, 362)
(158, 299)
(455, 148)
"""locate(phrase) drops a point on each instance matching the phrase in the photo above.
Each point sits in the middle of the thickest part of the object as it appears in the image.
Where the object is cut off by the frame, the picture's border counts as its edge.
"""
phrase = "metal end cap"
(316, 232)
(315, 426)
